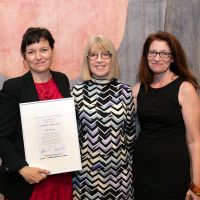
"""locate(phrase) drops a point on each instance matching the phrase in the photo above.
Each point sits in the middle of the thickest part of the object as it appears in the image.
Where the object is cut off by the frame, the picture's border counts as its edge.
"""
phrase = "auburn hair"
(179, 66)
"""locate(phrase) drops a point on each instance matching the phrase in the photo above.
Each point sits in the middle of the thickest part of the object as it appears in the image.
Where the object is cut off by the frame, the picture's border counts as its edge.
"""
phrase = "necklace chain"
(40, 93)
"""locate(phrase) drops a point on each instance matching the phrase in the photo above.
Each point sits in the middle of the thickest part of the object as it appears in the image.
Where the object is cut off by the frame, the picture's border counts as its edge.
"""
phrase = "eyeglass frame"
(169, 53)
(110, 53)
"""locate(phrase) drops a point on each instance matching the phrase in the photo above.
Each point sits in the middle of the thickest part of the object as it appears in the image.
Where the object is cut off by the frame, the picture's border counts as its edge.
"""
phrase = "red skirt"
(55, 187)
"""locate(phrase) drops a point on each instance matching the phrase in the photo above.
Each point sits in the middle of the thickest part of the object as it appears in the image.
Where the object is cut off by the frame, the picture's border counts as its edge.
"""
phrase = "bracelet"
(194, 188)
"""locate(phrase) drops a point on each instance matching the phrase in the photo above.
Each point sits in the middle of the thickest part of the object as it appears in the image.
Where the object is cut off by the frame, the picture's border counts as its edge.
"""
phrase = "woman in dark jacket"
(17, 179)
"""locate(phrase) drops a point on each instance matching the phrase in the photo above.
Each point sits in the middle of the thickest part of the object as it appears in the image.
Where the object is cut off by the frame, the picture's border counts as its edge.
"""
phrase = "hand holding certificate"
(33, 175)
(50, 135)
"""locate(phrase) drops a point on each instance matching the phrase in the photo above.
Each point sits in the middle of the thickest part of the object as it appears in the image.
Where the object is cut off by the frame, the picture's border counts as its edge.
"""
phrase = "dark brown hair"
(179, 66)
(33, 35)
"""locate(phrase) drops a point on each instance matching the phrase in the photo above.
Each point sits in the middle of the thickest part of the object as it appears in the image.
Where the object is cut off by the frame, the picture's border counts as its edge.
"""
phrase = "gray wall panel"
(183, 21)
(143, 18)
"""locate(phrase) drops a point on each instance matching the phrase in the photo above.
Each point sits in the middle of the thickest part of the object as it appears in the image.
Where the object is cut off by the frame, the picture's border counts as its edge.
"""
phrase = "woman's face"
(39, 56)
(157, 64)
(100, 67)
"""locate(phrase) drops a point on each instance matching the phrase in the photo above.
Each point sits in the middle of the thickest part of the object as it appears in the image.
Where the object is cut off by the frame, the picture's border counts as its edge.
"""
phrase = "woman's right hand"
(33, 174)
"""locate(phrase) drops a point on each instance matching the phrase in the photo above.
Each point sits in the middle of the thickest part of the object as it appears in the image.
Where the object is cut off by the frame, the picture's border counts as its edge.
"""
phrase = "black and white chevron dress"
(106, 135)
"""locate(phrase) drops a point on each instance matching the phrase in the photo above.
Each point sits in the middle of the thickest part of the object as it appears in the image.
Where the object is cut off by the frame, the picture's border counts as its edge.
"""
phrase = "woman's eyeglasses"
(162, 54)
(94, 56)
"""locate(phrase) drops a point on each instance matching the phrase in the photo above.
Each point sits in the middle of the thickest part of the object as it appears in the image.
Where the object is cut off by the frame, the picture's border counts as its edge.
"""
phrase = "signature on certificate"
(44, 150)
(57, 149)
(54, 149)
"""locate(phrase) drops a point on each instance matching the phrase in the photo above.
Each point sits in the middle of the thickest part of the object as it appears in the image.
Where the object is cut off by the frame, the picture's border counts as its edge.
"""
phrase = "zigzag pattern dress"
(106, 134)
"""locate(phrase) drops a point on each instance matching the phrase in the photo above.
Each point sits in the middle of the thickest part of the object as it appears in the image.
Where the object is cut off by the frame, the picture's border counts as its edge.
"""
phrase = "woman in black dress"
(169, 110)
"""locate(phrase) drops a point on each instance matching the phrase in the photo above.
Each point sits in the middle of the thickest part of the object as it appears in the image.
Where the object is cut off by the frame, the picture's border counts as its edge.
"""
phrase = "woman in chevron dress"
(104, 107)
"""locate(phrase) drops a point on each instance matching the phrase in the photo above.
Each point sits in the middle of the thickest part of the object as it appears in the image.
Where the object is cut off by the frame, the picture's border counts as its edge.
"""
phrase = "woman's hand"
(191, 196)
(33, 174)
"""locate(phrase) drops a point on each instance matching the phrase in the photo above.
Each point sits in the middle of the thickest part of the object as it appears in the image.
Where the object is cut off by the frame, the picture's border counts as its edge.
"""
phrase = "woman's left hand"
(191, 196)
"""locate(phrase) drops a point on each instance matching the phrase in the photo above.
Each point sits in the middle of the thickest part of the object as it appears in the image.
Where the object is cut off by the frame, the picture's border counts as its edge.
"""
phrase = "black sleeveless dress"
(161, 160)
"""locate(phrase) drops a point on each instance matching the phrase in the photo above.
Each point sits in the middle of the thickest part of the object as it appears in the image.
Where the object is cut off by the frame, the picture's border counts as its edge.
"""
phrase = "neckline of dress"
(101, 81)
(165, 85)
(45, 82)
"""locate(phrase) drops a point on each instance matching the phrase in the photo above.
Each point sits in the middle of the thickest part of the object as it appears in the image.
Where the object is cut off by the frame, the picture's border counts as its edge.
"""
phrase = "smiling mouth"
(156, 63)
(100, 67)
(39, 63)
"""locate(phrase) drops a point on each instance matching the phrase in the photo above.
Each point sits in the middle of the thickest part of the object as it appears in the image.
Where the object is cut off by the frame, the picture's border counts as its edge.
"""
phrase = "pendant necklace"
(40, 92)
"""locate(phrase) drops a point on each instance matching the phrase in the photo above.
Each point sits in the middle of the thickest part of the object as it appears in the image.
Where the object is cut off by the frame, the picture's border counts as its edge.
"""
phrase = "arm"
(9, 120)
(71, 92)
(190, 103)
(135, 91)
(11, 136)
(130, 123)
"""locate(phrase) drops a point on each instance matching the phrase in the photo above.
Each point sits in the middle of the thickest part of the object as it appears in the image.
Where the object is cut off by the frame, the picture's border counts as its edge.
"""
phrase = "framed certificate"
(50, 135)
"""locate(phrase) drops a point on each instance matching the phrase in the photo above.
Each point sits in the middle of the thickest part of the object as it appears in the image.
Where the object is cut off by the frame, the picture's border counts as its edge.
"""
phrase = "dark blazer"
(15, 91)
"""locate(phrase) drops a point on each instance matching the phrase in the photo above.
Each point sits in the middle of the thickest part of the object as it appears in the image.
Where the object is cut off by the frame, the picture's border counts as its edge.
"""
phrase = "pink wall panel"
(72, 23)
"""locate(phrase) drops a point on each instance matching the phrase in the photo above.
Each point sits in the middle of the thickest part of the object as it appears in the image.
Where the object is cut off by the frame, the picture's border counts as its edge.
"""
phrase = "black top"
(161, 160)
(15, 91)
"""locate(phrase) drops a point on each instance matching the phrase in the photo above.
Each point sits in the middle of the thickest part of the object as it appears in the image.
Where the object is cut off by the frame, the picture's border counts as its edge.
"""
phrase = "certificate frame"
(31, 113)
